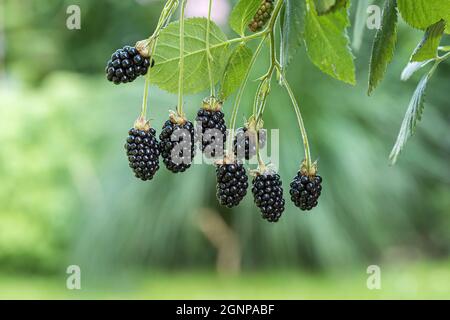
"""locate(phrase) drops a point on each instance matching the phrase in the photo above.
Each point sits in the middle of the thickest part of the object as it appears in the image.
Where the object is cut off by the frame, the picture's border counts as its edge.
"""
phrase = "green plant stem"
(181, 63)
(165, 16)
(208, 55)
(300, 123)
(145, 98)
(237, 101)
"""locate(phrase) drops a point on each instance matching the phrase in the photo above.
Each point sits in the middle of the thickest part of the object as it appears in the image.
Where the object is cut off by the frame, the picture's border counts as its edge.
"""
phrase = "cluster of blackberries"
(177, 142)
(212, 129)
(262, 16)
(305, 191)
(244, 143)
(143, 153)
(232, 184)
(268, 195)
(126, 65)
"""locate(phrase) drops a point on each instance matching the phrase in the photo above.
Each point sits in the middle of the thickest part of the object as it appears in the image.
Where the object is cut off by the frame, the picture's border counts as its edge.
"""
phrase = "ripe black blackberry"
(143, 151)
(211, 123)
(232, 183)
(262, 16)
(126, 65)
(182, 132)
(305, 190)
(244, 143)
(268, 195)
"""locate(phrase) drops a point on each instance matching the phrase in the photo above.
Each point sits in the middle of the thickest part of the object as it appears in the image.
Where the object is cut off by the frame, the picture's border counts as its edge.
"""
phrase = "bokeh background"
(67, 196)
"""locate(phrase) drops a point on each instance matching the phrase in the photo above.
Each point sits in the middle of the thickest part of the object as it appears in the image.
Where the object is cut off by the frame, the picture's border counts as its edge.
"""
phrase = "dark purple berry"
(305, 190)
(211, 125)
(232, 184)
(244, 144)
(268, 195)
(143, 153)
(177, 143)
(126, 65)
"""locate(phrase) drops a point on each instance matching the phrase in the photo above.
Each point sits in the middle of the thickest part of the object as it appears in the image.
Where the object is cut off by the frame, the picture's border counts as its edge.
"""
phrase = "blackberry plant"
(321, 25)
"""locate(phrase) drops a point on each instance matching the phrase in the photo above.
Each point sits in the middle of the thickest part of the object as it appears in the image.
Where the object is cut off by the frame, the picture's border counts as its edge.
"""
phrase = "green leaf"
(327, 6)
(421, 14)
(292, 30)
(235, 70)
(242, 14)
(327, 43)
(167, 56)
(428, 47)
(383, 45)
(412, 116)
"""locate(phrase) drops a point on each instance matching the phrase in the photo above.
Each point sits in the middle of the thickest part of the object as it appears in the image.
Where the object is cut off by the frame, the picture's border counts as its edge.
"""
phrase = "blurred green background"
(67, 196)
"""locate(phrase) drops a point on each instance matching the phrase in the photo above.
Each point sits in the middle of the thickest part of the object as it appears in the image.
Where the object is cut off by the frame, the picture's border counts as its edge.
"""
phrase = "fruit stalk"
(237, 101)
(208, 52)
(181, 63)
(301, 124)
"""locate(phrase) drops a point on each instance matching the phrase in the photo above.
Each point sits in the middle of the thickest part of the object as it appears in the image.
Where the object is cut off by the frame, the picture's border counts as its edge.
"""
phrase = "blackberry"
(262, 16)
(268, 194)
(126, 65)
(232, 184)
(143, 152)
(177, 130)
(210, 123)
(244, 144)
(305, 190)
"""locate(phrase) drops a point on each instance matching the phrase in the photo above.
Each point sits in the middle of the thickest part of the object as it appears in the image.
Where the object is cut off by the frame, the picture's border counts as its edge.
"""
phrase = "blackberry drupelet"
(126, 65)
(211, 122)
(305, 190)
(182, 132)
(232, 184)
(244, 144)
(268, 195)
(262, 16)
(143, 152)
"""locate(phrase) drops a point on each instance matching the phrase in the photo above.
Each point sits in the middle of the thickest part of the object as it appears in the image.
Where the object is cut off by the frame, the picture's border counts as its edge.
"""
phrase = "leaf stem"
(208, 52)
(181, 62)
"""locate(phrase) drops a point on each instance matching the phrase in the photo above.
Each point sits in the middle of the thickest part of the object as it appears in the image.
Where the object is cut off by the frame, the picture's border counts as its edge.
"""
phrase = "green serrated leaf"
(421, 14)
(167, 56)
(412, 116)
(327, 43)
(383, 44)
(235, 71)
(428, 47)
(292, 26)
(242, 14)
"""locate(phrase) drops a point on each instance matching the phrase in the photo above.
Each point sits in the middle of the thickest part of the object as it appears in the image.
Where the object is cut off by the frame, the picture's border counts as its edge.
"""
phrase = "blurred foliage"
(68, 196)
